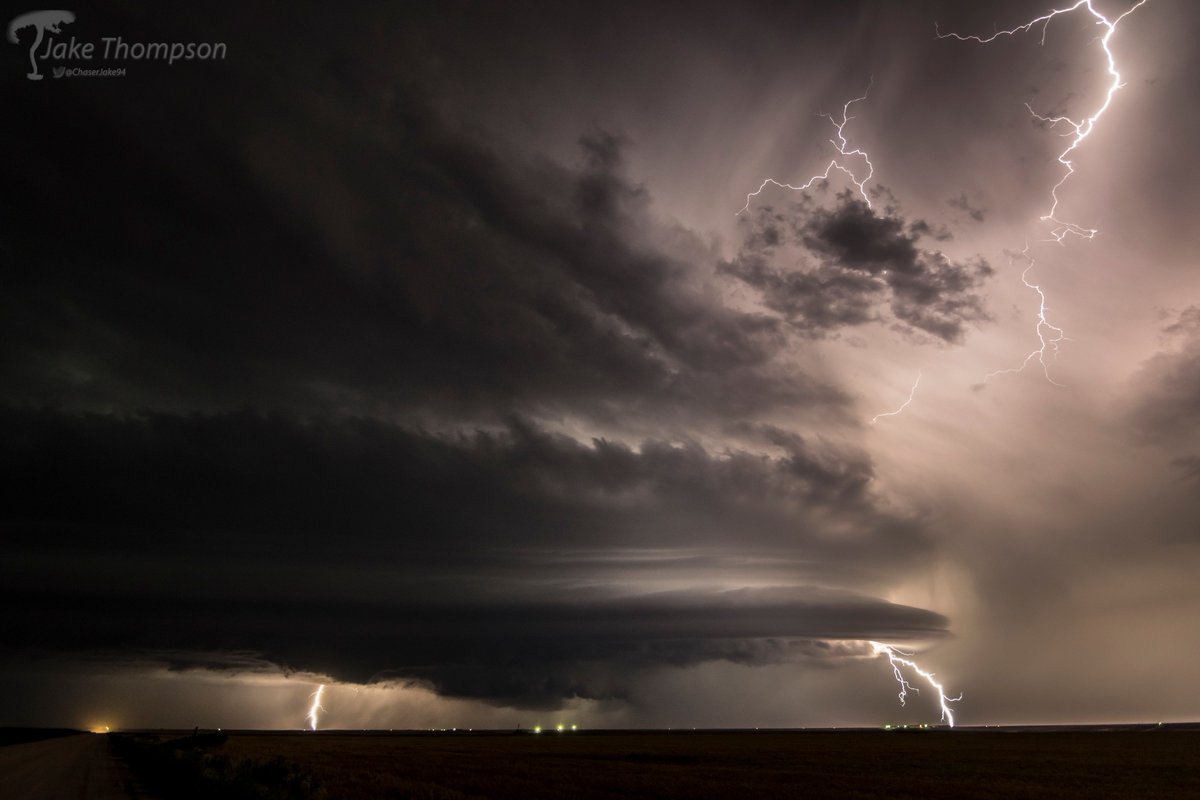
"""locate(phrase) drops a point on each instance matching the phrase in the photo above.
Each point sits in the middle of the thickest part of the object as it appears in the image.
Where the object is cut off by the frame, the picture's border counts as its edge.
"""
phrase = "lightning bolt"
(1049, 336)
(315, 707)
(841, 144)
(896, 658)
(903, 406)
(1079, 129)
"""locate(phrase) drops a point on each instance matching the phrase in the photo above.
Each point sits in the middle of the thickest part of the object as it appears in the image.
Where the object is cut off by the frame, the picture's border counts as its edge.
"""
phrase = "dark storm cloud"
(827, 269)
(398, 263)
(505, 653)
(283, 341)
(169, 483)
(452, 518)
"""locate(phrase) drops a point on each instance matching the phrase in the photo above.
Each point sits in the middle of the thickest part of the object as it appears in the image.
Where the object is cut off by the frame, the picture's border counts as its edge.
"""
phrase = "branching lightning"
(1051, 336)
(896, 658)
(904, 405)
(841, 144)
(316, 707)
(1079, 129)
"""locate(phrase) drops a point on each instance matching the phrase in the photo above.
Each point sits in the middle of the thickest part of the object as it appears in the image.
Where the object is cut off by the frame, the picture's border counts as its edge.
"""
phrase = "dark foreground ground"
(1151, 763)
(62, 765)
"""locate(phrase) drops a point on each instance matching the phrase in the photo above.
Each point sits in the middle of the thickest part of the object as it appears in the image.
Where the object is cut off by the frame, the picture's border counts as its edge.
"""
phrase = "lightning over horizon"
(1050, 337)
(896, 658)
(316, 707)
(412, 357)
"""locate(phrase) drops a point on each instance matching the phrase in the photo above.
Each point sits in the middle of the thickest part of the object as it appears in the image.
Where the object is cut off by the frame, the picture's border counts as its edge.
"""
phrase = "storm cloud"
(477, 279)
(824, 270)
(423, 345)
(457, 520)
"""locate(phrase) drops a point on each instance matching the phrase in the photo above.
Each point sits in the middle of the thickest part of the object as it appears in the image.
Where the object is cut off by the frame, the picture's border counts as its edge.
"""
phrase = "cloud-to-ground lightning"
(316, 707)
(1049, 336)
(904, 405)
(896, 658)
(1080, 128)
(841, 144)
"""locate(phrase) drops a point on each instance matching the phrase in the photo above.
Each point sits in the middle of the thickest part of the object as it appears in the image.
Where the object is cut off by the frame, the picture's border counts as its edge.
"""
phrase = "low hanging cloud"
(523, 654)
(963, 204)
(201, 529)
(823, 270)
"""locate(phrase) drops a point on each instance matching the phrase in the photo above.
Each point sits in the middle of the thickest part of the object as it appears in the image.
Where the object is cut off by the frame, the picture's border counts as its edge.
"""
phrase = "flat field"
(1152, 763)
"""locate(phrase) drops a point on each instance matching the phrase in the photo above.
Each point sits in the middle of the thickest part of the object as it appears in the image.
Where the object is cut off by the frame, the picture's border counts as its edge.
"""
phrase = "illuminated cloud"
(824, 270)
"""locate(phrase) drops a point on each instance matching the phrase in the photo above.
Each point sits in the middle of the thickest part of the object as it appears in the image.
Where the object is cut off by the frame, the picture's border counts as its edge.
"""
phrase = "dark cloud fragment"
(963, 204)
(849, 262)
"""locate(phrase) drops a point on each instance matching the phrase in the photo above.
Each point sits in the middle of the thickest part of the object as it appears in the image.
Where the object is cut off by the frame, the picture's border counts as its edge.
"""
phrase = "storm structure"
(420, 353)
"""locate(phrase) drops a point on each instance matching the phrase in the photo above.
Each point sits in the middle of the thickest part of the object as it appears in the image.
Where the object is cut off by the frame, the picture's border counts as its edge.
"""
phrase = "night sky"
(419, 350)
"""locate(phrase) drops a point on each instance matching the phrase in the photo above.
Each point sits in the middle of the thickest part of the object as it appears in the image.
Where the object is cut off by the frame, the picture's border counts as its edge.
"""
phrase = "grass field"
(579, 766)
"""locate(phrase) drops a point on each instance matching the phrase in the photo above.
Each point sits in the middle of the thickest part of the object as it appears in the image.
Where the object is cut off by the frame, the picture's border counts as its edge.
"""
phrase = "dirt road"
(71, 767)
